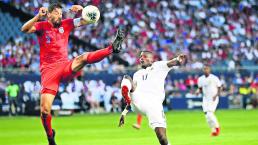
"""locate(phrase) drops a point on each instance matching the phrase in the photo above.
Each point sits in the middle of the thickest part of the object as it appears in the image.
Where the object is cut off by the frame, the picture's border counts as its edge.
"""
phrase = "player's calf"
(46, 118)
(161, 134)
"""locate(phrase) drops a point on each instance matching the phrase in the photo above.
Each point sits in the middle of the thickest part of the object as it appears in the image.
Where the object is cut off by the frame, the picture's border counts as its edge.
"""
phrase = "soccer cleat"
(136, 126)
(125, 91)
(117, 44)
(51, 140)
(216, 133)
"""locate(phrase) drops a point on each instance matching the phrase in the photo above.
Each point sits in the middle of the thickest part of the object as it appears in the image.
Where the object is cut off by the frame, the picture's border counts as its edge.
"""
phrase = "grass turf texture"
(239, 127)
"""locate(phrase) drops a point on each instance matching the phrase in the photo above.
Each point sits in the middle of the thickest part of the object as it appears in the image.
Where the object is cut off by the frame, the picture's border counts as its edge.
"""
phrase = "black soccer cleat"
(117, 44)
(51, 140)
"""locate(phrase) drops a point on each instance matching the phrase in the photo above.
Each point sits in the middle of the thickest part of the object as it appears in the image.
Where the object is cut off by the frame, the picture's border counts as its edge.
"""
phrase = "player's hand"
(42, 12)
(76, 8)
(182, 59)
(121, 121)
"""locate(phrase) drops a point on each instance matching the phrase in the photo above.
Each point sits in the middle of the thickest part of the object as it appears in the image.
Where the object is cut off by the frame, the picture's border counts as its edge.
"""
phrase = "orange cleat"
(216, 133)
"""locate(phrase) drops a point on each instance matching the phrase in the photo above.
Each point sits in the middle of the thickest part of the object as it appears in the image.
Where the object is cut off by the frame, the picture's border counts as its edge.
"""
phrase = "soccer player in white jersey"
(146, 91)
(209, 85)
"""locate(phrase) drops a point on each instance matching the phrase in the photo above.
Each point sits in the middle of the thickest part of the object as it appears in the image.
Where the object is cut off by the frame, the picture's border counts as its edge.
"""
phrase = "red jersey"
(53, 42)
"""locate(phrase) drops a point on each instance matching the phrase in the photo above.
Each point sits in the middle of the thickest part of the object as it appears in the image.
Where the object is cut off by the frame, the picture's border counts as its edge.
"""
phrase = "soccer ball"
(91, 14)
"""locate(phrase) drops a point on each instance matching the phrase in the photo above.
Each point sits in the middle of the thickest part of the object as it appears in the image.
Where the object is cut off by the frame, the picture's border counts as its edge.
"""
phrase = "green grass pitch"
(239, 127)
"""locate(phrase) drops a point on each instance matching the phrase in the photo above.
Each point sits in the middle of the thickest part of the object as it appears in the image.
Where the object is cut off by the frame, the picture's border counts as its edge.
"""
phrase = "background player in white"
(210, 85)
(147, 91)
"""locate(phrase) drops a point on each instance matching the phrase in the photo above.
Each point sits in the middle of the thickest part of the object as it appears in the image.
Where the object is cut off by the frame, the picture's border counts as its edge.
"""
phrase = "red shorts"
(53, 74)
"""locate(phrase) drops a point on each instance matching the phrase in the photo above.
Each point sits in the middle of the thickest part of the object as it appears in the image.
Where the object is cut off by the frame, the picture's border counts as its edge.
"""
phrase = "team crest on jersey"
(61, 30)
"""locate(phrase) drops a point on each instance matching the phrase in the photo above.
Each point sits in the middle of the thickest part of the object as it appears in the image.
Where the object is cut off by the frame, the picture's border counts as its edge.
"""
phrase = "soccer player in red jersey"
(53, 37)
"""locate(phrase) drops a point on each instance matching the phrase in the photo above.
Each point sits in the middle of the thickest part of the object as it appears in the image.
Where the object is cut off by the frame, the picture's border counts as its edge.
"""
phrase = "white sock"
(215, 120)
(212, 120)
(209, 119)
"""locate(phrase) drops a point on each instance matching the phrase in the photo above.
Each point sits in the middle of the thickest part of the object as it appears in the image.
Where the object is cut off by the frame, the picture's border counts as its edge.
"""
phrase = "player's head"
(55, 14)
(206, 70)
(146, 59)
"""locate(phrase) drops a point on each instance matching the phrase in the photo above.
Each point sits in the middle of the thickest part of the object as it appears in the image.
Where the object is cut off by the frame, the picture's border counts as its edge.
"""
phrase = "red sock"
(139, 119)
(46, 121)
(98, 55)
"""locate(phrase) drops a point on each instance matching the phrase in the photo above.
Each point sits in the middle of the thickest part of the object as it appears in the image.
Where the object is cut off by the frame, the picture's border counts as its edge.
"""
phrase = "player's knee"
(45, 109)
(82, 58)
(79, 62)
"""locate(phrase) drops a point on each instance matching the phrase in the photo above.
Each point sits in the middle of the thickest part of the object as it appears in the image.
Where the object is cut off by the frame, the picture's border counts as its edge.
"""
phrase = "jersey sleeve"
(38, 26)
(199, 82)
(135, 77)
(69, 24)
(162, 65)
(218, 82)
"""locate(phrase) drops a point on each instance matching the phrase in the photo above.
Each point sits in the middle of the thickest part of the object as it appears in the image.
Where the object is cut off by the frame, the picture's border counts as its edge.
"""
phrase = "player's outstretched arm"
(179, 60)
(29, 27)
(79, 21)
(122, 117)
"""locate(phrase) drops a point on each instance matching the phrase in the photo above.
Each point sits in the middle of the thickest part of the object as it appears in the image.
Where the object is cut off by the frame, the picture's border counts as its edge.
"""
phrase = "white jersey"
(150, 82)
(209, 86)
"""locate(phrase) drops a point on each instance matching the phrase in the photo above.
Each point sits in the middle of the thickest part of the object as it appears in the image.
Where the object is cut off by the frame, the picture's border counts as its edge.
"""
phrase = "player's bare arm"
(217, 95)
(122, 117)
(179, 60)
(198, 91)
(29, 27)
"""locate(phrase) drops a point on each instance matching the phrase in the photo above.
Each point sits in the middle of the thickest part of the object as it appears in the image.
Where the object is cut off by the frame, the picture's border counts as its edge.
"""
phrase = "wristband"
(125, 112)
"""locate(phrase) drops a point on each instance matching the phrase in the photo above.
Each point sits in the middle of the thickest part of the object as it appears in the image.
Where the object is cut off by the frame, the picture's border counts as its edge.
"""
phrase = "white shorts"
(153, 111)
(209, 105)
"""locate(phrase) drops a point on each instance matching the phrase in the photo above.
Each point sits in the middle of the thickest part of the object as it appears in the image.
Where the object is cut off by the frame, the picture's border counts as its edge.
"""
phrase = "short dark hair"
(206, 65)
(52, 6)
(146, 51)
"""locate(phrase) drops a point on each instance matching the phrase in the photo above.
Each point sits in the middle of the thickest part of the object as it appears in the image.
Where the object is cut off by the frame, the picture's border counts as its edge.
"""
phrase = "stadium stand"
(223, 32)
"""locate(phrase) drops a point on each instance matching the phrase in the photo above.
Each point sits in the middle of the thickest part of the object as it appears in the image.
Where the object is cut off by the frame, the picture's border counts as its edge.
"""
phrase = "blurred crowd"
(92, 96)
(222, 33)
(241, 90)
(96, 96)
